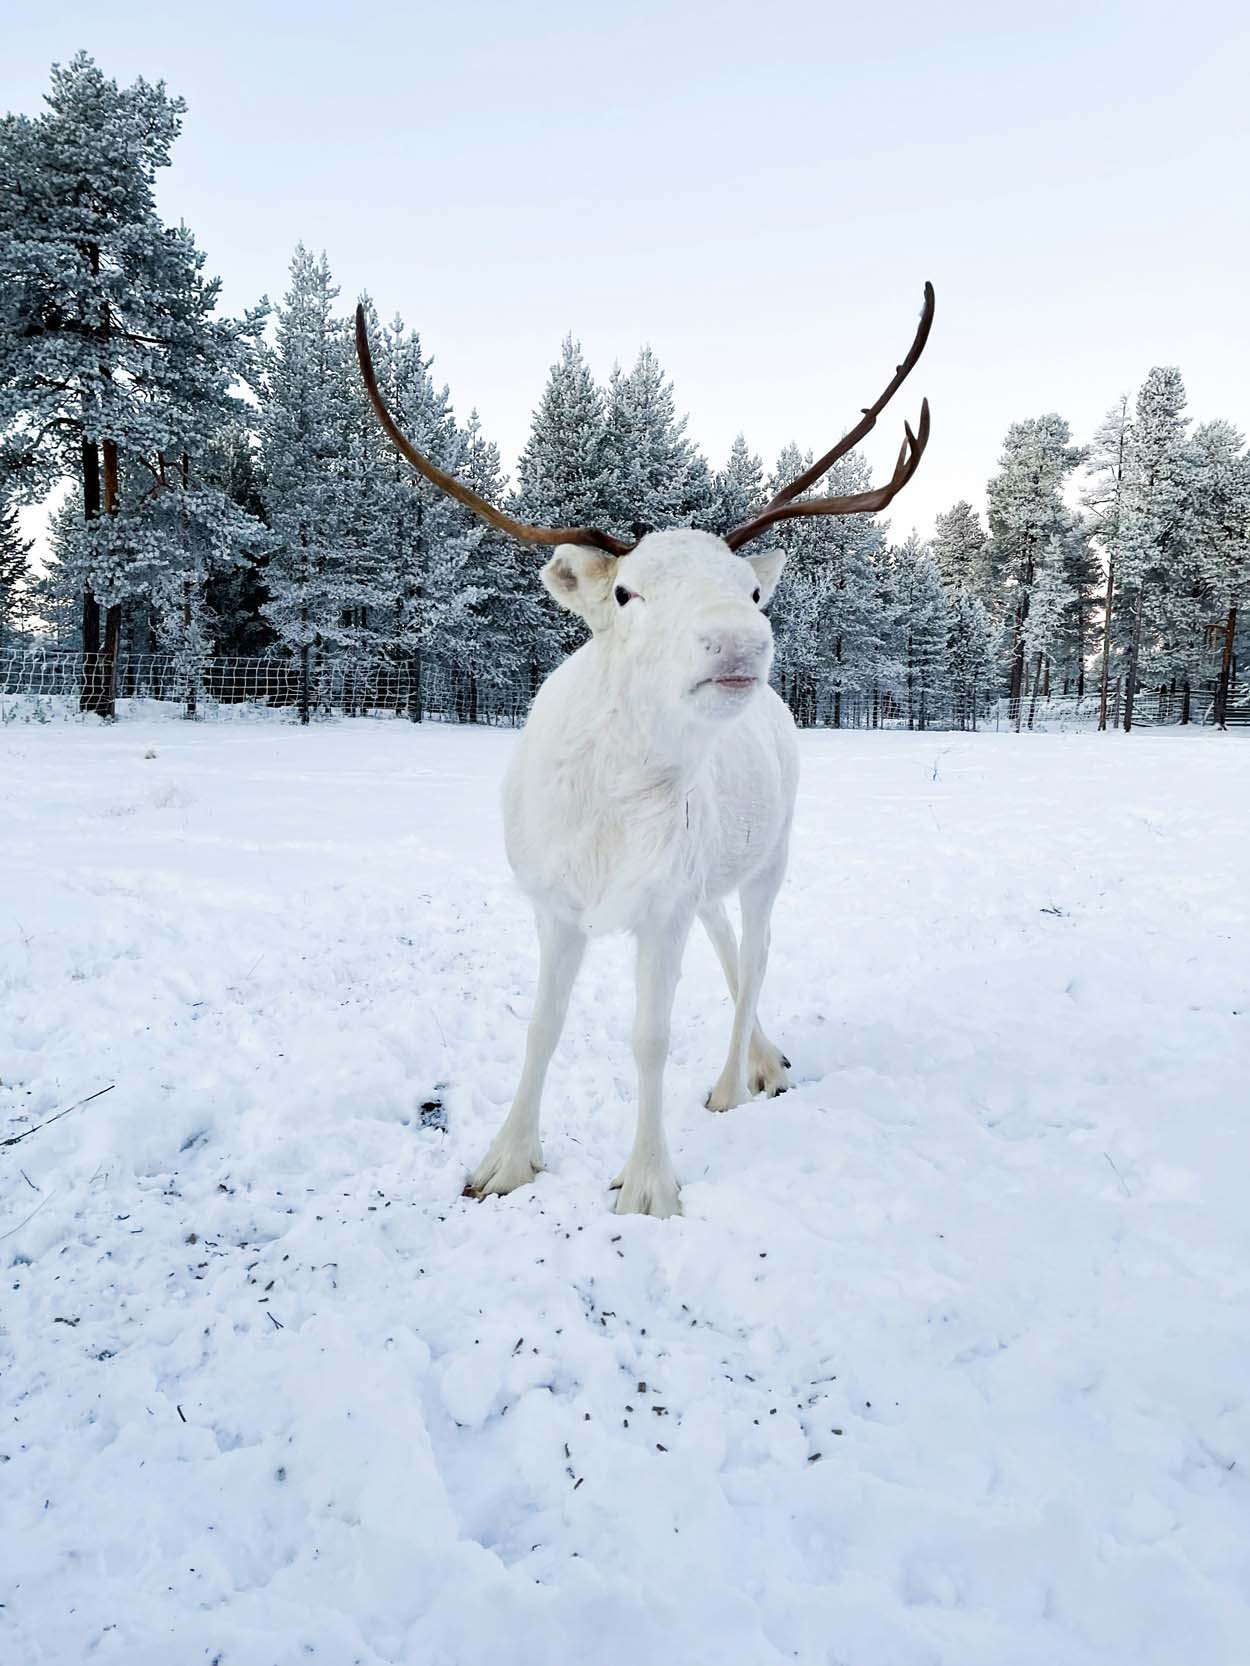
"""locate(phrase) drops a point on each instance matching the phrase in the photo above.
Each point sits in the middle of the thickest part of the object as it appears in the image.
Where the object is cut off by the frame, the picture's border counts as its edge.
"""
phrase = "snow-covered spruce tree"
(302, 432)
(969, 655)
(1221, 492)
(431, 539)
(852, 632)
(56, 592)
(562, 480)
(236, 594)
(107, 339)
(195, 532)
(920, 630)
(14, 575)
(1049, 605)
(1157, 528)
(738, 487)
(1026, 510)
(795, 608)
(961, 552)
(1083, 574)
(654, 474)
(372, 497)
(505, 622)
(1104, 500)
(180, 525)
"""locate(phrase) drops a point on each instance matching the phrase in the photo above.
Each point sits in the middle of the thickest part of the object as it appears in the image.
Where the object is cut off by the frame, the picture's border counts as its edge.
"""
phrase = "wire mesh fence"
(43, 684)
(51, 683)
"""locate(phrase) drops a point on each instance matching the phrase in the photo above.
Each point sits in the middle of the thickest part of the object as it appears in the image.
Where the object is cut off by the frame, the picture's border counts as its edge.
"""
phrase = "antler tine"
(448, 483)
(858, 503)
(868, 421)
(784, 507)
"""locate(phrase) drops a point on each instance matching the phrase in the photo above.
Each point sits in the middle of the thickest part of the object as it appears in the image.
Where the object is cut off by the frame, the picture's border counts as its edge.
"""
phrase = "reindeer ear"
(768, 565)
(580, 579)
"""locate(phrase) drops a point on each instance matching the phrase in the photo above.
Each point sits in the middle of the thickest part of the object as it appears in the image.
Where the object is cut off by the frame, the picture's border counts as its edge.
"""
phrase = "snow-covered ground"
(948, 1360)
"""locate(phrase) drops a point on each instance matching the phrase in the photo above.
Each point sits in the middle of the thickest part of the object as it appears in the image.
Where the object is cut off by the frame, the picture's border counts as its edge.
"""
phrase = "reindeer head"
(680, 609)
(679, 616)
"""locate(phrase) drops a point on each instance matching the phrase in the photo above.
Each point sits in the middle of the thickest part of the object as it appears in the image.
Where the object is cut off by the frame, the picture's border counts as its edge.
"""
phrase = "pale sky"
(757, 191)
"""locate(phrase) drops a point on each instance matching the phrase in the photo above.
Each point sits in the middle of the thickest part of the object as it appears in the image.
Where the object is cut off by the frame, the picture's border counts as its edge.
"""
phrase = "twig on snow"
(1118, 1175)
(29, 1218)
(16, 1139)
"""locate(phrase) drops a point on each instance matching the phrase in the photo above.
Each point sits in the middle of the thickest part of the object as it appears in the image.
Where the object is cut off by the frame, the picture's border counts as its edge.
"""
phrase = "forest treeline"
(225, 488)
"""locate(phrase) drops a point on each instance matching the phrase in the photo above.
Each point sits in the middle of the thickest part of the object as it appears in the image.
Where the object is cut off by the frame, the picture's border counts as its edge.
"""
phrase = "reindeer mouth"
(738, 683)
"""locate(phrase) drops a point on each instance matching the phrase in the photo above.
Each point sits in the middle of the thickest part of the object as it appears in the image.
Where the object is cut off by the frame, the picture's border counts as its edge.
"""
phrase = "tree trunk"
(1185, 701)
(1130, 676)
(192, 669)
(1106, 644)
(88, 699)
(1037, 683)
(1015, 690)
(1226, 667)
(107, 705)
(304, 691)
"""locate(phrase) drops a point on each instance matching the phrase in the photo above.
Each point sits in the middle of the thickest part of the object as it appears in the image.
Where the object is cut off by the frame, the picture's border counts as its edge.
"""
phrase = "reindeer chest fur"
(612, 831)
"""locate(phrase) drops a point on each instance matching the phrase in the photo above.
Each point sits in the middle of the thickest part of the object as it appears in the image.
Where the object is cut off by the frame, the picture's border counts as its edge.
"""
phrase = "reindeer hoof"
(648, 1192)
(500, 1173)
(724, 1098)
(767, 1071)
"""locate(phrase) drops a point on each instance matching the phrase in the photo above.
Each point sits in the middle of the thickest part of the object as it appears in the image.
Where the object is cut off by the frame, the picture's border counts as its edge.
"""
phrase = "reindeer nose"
(735, 648)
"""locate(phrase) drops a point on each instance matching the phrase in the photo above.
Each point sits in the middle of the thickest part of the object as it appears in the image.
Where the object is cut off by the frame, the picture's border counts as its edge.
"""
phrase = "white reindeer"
(655, 775)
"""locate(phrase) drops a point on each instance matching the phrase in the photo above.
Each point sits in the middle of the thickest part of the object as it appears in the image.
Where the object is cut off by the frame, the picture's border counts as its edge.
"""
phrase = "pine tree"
(432, 537)
(1105, 498)
(1083, 575)
(56, 592)
(1049, 604)
(739, 487)
(498, 635)
(236, 594)
(302, 431)
(372, 493)
(1221, 524)
(795, 609)
(1026, 510)
(653, 475)
(961, 553)
(846, 552)
(562, 480)
(969, 655)
(921, 627)
(1156, 528)
(112, 364)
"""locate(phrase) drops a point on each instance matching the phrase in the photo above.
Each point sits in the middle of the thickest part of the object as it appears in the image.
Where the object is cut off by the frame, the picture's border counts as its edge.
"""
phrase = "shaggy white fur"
(657, 773)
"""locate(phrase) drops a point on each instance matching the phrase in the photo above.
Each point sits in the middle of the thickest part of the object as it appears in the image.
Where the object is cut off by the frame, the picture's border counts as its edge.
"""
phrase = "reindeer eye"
(755, 595)
(623, 595)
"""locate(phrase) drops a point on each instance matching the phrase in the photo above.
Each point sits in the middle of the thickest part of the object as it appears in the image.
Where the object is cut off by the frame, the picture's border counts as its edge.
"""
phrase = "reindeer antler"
(456, 488)
(783, 507)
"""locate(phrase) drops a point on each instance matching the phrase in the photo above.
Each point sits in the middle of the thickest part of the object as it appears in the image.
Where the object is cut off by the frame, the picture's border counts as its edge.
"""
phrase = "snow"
(947, 1362)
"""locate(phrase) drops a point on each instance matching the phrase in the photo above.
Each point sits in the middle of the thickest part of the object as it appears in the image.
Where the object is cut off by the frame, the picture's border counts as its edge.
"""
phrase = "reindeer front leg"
(515, 1156)
(647, 1183)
